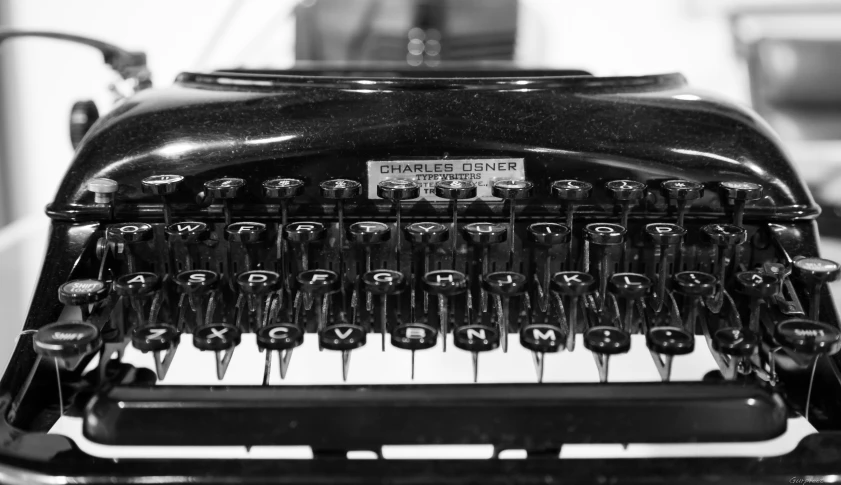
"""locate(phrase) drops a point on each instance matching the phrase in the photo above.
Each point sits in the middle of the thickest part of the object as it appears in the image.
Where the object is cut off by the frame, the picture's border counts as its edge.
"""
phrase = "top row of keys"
(403, 189)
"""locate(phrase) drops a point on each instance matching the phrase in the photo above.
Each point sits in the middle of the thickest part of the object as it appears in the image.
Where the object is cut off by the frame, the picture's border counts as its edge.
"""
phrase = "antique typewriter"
(427, 276)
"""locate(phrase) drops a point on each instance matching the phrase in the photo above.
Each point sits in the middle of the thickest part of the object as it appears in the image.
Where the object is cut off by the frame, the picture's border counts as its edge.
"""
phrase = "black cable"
(127, 64)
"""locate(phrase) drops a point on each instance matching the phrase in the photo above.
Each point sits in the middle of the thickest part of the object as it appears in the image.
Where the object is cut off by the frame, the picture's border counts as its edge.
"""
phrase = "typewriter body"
(253, 275)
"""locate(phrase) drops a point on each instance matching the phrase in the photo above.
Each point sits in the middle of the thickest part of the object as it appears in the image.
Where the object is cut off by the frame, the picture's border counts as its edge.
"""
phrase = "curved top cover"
(317, 126)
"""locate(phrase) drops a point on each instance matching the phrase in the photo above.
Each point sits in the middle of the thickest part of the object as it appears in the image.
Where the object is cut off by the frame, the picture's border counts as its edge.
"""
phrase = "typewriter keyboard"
(602, 300)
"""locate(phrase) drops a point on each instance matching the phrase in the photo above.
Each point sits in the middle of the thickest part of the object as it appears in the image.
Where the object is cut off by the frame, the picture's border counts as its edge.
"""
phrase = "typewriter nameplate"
(481, 171)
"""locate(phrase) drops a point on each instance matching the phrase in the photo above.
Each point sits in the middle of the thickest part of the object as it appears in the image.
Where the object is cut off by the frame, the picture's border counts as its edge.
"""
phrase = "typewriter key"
(368, 233)
(808, 337)
(694, 285)
(157, 338)
(681, 192)
(666, 342)
(444, 283)
(220, 338)
(82, 293)
(318, 283)
(503, 285)
(624, 193)
(256, 285)
(130, 233)
(571, 285)
(342, 337)
(414, 336)
(569, 192)
(548, 234)
(421, 235)
(727, 237)
(455, 190)
(540, 338)
(739, 193)
(196, 283)
(282, 190)
(224, 189)
(668, 237)
(734, 347)
(631, 287)
(249, 234)
(813, 273)
(281, 338)
(103, 190)
(67, 342)
(135, 287)
(426, 233)
(475, 339)
(398, 190)
(304, 233)
(383, 282)
(162, 185)
(512, 190)
(603, 235)
(483, 234)
(340, 190)
(604, 342)
(758, 287)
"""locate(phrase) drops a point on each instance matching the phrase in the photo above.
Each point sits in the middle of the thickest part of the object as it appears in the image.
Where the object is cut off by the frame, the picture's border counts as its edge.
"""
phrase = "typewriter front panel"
(300, 267)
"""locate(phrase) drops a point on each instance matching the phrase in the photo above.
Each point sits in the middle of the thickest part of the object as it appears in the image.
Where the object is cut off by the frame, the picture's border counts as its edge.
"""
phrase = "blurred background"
(783, 57)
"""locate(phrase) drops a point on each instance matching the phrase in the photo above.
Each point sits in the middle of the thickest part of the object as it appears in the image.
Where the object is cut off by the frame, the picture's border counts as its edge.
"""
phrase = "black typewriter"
(351, 276)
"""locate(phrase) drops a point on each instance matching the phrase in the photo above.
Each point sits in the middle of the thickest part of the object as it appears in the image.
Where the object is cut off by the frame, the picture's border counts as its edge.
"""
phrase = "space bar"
(531, 416)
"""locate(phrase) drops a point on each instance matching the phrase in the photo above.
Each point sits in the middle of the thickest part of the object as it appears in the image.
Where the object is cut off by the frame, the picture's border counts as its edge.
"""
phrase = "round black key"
(737, 342)
(318, 281)
(155, 338)
(444, 282)
(224, 188)
(670, 341)
(136, 284)
(426, 232)
(572, 283)
(625, 190)
(258, 282)
(476, 338)
(246, 232)
(281, 188)
(130, 232)
(808, 336)
(604, 233)
(504, 283)
(340, 189)
(82, 292)
(724, 234)
(549, 233)
(368, 233)
(682, 189)
(66, 340)
(398, 189)
(383, 281)
(189, 231)
(695, 283)
(571, 189)
(630, 285)
(541, 337)
(757, 284)
(414, 336)
(161, 184)
(197, 280)
(304, 232)
(815, 270)
(742, 190)
(607, 340)
(485, 233)
(216, 336)
(280, 336)
(456, 189)
(512, 189)
(342, 336)
(665, 234)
